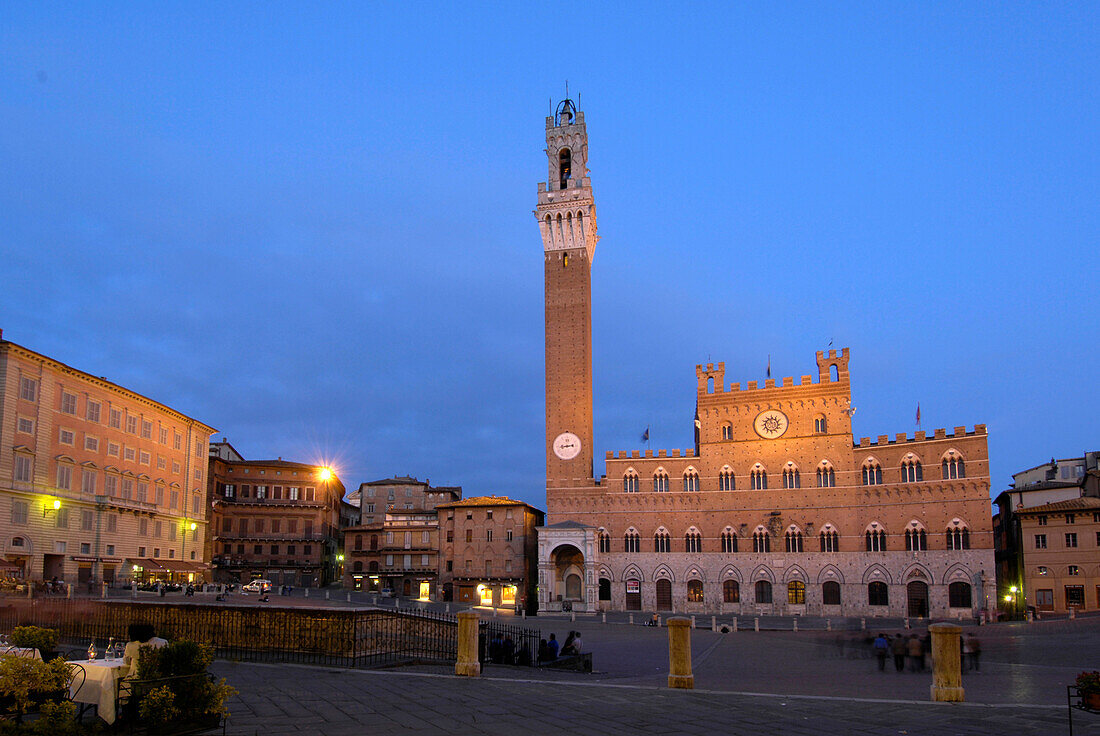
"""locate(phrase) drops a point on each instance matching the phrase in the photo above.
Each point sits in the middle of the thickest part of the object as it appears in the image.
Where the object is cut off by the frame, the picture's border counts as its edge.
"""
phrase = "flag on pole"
(645, 435)
(769, 365)
(918, 415)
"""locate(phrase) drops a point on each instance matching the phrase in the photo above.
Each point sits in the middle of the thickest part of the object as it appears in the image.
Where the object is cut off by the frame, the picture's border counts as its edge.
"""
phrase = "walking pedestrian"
(881, 646)
(975, 651)
(916, 654)
(898, 649)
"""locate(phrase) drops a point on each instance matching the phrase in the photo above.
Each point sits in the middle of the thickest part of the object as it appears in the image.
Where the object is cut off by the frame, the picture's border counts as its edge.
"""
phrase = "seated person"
(141, 635)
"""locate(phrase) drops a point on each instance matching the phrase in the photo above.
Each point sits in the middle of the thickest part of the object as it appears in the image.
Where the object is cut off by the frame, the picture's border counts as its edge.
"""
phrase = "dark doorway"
(917, 592)
(664, 595)
(633, 595)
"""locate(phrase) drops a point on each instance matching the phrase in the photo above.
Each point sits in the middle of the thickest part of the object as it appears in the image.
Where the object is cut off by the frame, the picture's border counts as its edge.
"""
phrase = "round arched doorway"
(568, 573)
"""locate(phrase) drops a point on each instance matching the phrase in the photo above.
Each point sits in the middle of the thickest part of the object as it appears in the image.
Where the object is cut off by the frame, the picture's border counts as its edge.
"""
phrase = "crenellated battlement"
(938, 434)
(643, 454)
(711, 377)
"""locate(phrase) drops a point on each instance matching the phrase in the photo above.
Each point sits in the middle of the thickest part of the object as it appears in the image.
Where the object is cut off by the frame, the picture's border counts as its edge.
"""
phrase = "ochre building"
(97, 482)
(778, 509)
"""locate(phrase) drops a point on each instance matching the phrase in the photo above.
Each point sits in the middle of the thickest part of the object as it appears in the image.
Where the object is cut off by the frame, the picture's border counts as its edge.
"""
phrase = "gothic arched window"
(792, 478)
(729, 541)
(911, 471)
(726, 480)
(660, 482)
(691, 480)
(693, 541)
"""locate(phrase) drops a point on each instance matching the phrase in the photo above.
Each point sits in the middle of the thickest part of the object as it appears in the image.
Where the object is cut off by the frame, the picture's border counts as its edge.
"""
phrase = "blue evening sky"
(311, 228)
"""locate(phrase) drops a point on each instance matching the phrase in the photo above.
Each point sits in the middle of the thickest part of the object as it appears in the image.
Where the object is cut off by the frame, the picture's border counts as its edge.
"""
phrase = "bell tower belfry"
(567, 220)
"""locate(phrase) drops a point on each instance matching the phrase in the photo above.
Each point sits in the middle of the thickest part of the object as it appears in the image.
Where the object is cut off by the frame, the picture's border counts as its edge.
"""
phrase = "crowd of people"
(913, 651)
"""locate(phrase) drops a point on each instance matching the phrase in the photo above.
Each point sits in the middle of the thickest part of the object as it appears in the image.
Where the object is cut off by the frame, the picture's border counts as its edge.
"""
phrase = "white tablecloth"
(100, 686)
(29, 653)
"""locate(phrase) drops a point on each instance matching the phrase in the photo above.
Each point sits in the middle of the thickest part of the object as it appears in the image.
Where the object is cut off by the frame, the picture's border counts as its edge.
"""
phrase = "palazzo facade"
(778, 509)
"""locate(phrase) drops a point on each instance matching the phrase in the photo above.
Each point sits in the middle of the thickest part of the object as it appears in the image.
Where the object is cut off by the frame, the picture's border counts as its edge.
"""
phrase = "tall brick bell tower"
(567, 218)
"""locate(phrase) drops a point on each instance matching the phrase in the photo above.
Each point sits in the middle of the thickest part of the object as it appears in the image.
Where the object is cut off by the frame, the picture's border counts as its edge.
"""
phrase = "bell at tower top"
(566, 113)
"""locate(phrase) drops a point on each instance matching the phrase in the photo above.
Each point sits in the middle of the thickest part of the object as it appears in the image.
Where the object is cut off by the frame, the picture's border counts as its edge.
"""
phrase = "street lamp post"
(192, 526)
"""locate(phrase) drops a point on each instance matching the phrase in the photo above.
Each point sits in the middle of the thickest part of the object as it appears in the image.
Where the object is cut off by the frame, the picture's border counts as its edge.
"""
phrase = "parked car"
(257, 586)
(387, 592)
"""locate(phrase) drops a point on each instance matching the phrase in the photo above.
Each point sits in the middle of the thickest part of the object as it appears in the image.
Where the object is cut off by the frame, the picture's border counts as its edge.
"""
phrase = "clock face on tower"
(770, 424)
(567, 445)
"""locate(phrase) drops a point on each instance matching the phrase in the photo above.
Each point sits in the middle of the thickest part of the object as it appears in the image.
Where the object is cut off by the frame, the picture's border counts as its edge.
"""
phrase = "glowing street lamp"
(55, 506)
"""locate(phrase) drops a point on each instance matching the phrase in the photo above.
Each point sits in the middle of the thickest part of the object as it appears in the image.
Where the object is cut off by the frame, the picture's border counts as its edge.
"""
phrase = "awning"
(181, 565)
(148, 564)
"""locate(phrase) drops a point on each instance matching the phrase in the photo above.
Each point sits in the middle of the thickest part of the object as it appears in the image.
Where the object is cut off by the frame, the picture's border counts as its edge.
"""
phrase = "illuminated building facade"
(276, 520)
(97, 482)
(778, 509)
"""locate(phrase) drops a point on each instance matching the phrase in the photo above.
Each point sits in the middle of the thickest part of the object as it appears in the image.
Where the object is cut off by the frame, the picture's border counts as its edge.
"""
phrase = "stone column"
(467, 664)
(946, 663)
(679, 653)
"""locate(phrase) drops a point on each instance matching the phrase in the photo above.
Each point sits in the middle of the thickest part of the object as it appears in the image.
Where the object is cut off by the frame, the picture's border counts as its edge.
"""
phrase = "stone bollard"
(70, 593)
(828, 624)
(907, 623)
(374, 599)
(105, 590)
(735, 624)
(714, 623)
(326, 595)
(756, 624)
(494, 612)
(946, 663)
(307, 592)
(631, 619)
(572, 615)
(523, 614)
(447, 608)
(693, 622)
(604, 617)
(467, 664)
(1073, 612)
(349, 597)
(133, 590)
(30, 589)
(679, 653)
(863, 624)
(795, 625)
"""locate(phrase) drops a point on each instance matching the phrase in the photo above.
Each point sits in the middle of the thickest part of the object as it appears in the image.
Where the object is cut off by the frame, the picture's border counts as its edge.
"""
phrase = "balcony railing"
(271, 536)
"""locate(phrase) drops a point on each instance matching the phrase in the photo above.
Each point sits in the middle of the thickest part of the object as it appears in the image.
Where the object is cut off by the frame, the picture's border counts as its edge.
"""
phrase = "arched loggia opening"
(568, 573)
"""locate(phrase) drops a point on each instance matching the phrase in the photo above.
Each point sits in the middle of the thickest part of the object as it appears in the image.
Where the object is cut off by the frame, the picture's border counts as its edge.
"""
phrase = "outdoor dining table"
(25, 652)
(100, 686)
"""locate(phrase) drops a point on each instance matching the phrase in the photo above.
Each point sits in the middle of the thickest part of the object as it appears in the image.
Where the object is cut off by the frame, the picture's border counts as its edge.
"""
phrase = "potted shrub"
(36, 637)
(181, 688)
(26, 684)
(1088, 685)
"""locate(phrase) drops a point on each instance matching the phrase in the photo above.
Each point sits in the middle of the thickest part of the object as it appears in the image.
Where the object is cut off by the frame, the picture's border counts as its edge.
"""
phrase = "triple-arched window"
(793, 540)
(632, 542)
(916, 540)
(691, 480)
(660, 481)
(958, 536)
(662, 542)
(758, 478)
(726, 480)
(791, 477)
(830, 540)
(952, 466)
(761, 541)
(872, 473)
(729, 541)
(911, 471)
(875, 537)
(693, 541)
(826, 476)
(630, 482)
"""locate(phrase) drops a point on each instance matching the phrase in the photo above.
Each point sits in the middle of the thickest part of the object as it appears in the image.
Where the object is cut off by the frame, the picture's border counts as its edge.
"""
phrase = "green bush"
(158, 708)
(195, 695)
(27, 683)
(35, 637)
